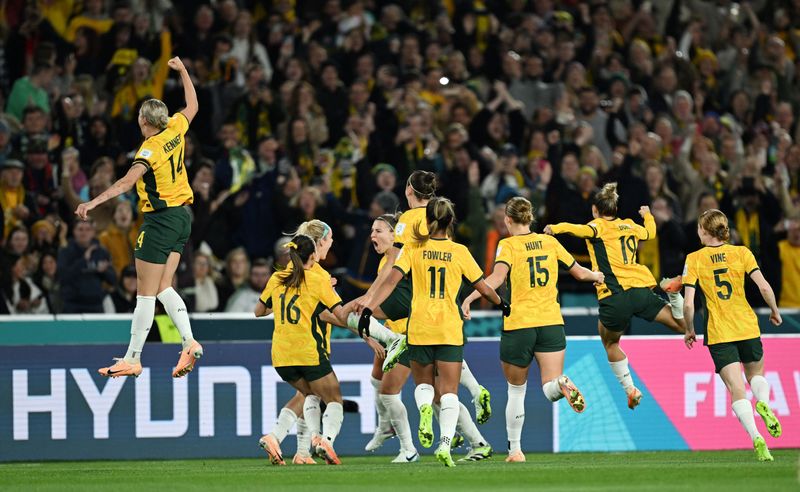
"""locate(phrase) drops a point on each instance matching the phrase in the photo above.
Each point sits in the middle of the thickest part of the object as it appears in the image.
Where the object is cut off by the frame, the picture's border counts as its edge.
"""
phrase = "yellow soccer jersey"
(299, 338)
(165, 183)
(532, 261)
(404, 230)
(790, 273)
(437, 268)
(322, 326)
(719, 273)
(397, 326)
(612, 248)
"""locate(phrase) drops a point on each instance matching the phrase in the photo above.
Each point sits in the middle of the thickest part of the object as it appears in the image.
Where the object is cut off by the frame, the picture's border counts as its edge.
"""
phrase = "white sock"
(332, 421)
(303, 437)
(515, 414)
(468, 428)
(176, 309)
(676, 304)
(448, 418)
(380, 333)
(286, 420)
(423, 395)
(311, 413)
(140, 326)
(399, 419)
(744, 412)
(760, 388)
(551, 390)
(383, 414)
(623, 373)
(468, 381)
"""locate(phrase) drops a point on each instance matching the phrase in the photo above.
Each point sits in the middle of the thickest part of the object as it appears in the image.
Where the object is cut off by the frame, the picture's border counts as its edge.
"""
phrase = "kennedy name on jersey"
(172, 143)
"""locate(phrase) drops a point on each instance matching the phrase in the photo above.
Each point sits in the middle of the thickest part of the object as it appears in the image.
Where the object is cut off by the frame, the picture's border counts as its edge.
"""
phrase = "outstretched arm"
(385, 289)
(688, 316)
(189, 94)
(577, 230)
(583, 274)
(768, 295)
(494, 281)
(383, 275)
(122, 185)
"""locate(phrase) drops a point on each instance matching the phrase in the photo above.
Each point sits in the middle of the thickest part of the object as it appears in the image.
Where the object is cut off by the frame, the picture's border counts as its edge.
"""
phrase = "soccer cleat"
(303, 459)
(394, 351)
(188, 358)
(442, 455)
(671, 285)
(121, 368)
(273, 449)
(457, 441)
(425, 432)
(762, 452)
(515, 457)
(634, 398)
(380, 436)
(410, 456)
(572, 394)
(770, 420)
(479, 453)
(483, 407)
(324, 449)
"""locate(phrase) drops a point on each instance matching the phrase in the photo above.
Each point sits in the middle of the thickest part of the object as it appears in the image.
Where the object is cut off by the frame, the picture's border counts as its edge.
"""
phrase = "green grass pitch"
(643, 471)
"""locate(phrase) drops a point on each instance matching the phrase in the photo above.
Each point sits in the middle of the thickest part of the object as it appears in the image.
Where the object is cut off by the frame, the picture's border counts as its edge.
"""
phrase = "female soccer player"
(732, 334)
(535, 329)
(420, 189)
(437, 267)
(392, 382)
(163, 189)
(627, 288)
(299, 353)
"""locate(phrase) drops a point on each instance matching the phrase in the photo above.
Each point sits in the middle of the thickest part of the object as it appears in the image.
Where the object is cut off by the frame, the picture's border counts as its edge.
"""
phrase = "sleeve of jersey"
(266, 294)
(504, 253)
(403, 262)
(471, 271)
(564, 256)
(329, 297)
(649, 229)
(180, 122)
(689, 273)
(750, 263)
(577, 230)
(146, 156)
(400, 235)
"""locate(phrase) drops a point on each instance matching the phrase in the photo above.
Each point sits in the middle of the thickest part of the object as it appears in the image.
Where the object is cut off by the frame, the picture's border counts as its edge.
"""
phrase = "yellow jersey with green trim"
(613, 246)
(165, 184)
(437, 268)
(404, 230)
(532, 261)
(397, 326)
(299, 338)
(719, 273)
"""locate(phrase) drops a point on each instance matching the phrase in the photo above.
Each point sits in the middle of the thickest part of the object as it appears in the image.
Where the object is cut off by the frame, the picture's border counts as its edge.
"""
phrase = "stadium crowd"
(322, 108)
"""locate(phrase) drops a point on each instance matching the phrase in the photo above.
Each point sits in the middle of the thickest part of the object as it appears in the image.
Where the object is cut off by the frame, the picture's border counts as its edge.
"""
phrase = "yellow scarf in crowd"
(749, 230)
(10, 198)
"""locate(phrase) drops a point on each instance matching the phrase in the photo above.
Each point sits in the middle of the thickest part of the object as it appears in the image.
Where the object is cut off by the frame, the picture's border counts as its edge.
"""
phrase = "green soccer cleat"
(425, 432)
(442, 455)
(457, 441)
(394, 351)
(762, 452)
(770, 420)
(483, 407)
(478, 454)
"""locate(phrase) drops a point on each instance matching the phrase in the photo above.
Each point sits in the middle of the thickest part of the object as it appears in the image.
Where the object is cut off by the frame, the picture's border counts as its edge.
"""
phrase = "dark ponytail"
(440, 215)
(300, 250)
(424, 184)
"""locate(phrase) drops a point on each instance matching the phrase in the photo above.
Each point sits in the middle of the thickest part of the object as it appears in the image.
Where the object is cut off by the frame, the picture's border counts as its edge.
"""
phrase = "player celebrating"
(732, 333)
(163, 189)
(627, 288)
(420, 189)
(437, 267)
(535, 328)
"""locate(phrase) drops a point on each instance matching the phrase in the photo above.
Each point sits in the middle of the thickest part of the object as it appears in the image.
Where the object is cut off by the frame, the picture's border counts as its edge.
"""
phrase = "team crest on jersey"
(401, 226)
(145, 153)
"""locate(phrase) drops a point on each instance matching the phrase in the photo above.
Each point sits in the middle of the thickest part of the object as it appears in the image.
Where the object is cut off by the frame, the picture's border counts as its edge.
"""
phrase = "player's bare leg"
(619, 363)
(176, 309)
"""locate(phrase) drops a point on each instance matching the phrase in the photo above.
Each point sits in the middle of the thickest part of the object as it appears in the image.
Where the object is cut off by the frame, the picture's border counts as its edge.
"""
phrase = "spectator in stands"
(22, 295)
(46, 278)
(246, 296)
(124, 295)
(203, 296)
(237, 268)
(789, 249)
(31, 90)
(18, 206)
(83, 268)
(119, 238)
(5, 141)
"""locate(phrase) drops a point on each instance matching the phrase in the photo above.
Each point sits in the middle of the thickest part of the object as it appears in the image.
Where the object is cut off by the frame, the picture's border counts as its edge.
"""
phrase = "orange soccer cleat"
(634, 398)
(671, 285)
(516, 457)
(572, 394)
(188, 358)
(324, 450)
(303, 459)
(121, 368)
(273, 449)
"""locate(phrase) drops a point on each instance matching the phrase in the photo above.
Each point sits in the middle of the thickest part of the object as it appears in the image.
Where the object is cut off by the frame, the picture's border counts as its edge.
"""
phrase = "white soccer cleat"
(410, 456)
(394, 351)
(380, 436)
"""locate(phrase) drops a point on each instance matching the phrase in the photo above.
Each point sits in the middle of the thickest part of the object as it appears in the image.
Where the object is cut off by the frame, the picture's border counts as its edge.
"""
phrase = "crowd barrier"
(54, 405)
